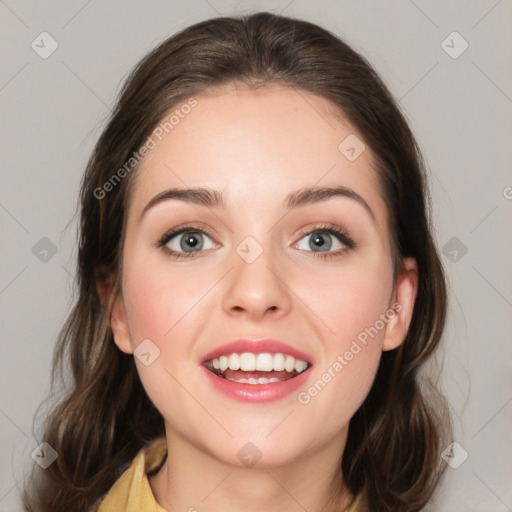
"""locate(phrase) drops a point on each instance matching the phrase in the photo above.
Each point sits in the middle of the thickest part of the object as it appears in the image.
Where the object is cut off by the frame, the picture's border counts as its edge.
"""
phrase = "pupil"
(190, 239)
(320, 242)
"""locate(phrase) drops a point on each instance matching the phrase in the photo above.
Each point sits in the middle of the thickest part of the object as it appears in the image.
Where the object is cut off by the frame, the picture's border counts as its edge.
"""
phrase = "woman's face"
(259, 266)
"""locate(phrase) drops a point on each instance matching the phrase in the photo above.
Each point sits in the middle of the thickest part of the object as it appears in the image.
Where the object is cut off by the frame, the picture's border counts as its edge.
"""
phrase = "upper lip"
(268, 345)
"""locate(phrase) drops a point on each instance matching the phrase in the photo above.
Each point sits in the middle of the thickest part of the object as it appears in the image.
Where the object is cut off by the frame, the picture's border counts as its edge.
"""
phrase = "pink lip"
(257, 392)
(256, 347)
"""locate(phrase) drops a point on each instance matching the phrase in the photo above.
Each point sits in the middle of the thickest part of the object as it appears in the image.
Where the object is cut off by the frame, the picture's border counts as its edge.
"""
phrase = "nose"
(257, 288)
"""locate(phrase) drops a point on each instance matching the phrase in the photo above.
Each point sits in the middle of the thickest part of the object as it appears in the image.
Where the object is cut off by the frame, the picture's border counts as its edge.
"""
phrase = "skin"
(257, 146)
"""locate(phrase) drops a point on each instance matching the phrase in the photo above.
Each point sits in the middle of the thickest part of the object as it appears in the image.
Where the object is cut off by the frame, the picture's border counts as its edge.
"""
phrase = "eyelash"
(332, 229)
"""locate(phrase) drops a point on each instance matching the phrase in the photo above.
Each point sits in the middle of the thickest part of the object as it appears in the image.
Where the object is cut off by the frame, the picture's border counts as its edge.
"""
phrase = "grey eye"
(320, 241)
(189, 241)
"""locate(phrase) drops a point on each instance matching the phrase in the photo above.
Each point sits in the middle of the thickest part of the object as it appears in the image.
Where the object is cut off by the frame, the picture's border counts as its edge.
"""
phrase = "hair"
(392, 455)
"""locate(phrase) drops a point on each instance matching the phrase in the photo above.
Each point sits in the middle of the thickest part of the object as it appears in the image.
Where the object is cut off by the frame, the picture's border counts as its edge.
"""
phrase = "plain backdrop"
(458, 101)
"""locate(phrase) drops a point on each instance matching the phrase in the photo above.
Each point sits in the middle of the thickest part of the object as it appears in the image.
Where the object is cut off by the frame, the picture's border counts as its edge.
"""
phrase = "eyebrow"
(211, 198)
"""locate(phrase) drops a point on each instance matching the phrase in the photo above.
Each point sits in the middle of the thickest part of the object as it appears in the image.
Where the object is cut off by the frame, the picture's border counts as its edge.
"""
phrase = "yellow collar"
(131, 492)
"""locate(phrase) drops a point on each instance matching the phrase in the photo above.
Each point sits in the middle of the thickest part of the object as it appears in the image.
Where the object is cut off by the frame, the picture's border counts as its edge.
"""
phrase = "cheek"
(165, 307)
(350, 304)
(147, 307)
(352, 299)
(160, 307)
(156, 300)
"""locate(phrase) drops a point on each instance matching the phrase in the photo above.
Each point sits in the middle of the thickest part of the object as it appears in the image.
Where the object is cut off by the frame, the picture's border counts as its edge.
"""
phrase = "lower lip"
(257, 392)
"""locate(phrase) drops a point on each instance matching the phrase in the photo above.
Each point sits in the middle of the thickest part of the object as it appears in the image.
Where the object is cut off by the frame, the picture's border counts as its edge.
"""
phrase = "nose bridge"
(255, 284)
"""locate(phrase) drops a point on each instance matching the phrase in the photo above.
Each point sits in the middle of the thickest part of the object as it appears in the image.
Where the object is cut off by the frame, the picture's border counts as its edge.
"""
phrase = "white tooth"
(253, 381)
(264, 362)
(234, 362)
(278, 362)
(290, 364)
(262, 380)
(273, 379)
(247, 362)
(300, 366)
(223, 362)
(215, 364)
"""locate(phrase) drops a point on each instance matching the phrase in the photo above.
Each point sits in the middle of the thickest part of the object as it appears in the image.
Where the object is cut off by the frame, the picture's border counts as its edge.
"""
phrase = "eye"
(185, 242)
(326, 241)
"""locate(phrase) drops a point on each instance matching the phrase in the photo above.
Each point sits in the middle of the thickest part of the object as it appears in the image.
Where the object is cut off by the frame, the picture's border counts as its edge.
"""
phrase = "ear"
(403, 299)
(109, 294)
(119, 325)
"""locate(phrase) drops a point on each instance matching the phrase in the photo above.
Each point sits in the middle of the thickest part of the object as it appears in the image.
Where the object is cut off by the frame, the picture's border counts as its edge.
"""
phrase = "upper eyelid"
(185, 228)
(326, 226)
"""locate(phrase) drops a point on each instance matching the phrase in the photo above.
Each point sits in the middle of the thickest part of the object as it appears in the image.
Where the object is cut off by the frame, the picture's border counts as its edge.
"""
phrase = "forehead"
(256, 144)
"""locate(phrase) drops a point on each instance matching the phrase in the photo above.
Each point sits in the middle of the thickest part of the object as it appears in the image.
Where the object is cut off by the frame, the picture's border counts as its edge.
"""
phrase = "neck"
(195, 480)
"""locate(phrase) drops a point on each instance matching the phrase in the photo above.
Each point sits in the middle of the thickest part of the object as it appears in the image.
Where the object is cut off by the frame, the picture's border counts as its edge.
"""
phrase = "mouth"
(256, 368)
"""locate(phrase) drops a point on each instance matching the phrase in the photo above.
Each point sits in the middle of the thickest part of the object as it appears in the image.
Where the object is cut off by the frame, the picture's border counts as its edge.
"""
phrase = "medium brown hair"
(392, 456)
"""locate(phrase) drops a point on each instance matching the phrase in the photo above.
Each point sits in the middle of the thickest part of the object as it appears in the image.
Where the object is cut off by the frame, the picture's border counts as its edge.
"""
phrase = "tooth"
(234, 362)
(247, 362)
(290, 363)
(253, 381)
(264, 362)
(300, 366)
(278, 362)
(223, 362)
(273, 379)
(262, 380)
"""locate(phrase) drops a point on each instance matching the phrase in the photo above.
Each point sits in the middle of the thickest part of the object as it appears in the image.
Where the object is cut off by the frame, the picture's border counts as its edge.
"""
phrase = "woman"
(258, 288)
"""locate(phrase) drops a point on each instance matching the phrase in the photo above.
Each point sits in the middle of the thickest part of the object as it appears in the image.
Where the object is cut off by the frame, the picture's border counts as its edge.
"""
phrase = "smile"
(262, 368)
(256, 370)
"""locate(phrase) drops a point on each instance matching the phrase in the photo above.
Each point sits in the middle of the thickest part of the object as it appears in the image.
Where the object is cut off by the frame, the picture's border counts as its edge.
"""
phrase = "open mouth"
(261, 368)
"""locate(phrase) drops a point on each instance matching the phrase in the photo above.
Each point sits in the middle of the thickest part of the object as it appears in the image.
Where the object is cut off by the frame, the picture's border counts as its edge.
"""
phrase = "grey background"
(459, 108)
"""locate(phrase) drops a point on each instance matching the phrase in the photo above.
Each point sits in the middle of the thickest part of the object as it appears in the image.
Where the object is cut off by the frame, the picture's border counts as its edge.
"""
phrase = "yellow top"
(132, 493)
